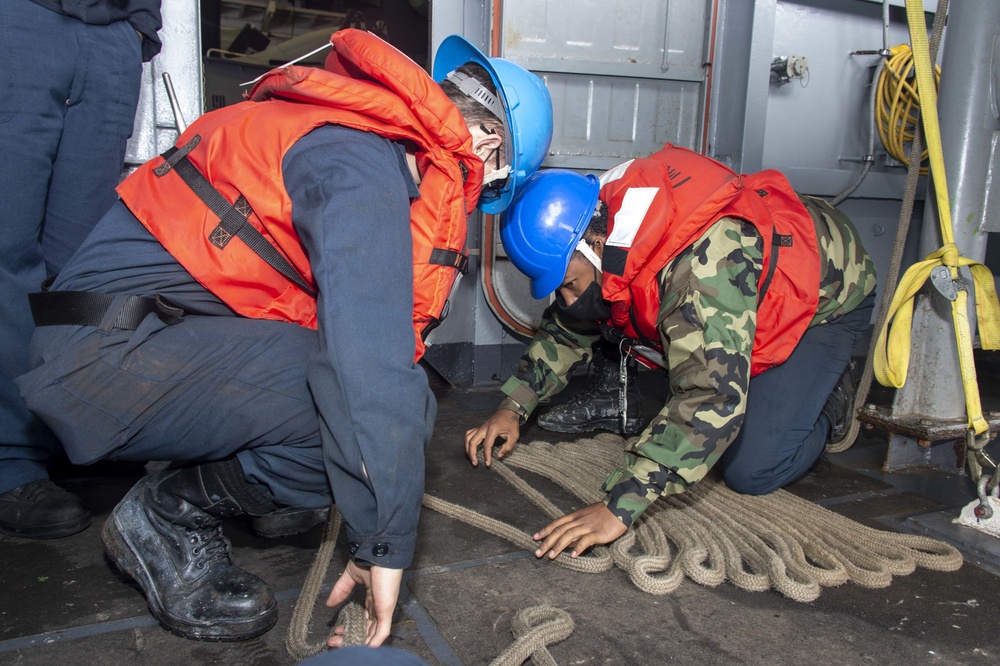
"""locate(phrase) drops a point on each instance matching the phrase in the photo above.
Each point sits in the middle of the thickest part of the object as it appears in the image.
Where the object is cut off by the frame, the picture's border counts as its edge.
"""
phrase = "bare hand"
(592, 525)
(382, 591)
(503, 424)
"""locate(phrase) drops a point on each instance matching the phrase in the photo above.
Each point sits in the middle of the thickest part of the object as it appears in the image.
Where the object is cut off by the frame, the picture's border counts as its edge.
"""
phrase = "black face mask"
(590, 306)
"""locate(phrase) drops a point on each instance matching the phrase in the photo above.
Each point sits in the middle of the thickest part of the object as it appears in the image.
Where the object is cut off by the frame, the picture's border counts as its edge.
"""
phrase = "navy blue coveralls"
(304, 411)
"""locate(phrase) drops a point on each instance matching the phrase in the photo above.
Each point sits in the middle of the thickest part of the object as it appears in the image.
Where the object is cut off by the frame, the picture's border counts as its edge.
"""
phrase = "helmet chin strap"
(476, 91)
(585, 250)
(496, 174)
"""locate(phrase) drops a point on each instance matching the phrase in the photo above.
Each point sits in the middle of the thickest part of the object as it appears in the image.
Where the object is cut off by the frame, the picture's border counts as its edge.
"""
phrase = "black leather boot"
(839, 406)
(596, 407)
(42, 510)
(166, 534)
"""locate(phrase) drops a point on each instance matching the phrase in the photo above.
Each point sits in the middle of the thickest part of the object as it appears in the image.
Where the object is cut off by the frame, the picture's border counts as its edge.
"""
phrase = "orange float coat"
(658, 206)
(366, 85)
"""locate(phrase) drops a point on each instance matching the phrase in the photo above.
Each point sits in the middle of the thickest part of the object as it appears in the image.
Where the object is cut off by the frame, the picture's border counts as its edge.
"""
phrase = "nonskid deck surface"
(62, 600)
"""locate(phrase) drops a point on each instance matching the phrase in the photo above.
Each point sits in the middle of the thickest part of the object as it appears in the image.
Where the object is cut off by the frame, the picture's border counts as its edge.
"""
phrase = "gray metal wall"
(627, 76)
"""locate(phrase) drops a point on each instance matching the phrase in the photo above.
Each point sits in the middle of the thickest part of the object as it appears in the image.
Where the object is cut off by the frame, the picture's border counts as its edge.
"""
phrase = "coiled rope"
(534, 629)
(711, 534)
(351, 616)
(898, 104)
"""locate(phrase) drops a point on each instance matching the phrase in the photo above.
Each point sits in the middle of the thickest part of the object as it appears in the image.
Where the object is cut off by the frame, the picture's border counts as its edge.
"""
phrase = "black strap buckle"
(88, 308)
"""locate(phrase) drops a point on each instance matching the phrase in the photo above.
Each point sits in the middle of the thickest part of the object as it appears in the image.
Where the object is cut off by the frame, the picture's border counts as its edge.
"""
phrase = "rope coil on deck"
(351, 616)
(534, 629)
(708, 534)
(711, 534)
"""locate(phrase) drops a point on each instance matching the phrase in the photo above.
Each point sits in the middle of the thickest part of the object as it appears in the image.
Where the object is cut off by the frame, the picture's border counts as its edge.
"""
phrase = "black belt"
(87, 308)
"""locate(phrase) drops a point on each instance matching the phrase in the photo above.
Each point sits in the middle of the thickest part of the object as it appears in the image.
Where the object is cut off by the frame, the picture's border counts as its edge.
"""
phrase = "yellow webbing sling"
(891, 360)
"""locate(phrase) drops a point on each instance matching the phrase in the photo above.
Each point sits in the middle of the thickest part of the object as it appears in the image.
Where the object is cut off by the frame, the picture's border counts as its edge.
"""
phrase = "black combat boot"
(839, 406)
(42, 510)
(596, 407)
(166, 534)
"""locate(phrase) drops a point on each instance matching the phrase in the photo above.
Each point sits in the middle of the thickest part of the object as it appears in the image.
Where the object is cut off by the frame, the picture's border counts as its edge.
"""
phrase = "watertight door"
(626, 77)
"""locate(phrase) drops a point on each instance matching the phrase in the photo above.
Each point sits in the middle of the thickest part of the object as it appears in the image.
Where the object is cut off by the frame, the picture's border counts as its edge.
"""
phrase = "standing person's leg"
(98, 121)
(225, 393)
(786, 428)
(38, 55)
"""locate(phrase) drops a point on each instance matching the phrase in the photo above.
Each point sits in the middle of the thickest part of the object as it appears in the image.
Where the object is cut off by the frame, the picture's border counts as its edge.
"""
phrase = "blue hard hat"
(546, 220)
(526, 104)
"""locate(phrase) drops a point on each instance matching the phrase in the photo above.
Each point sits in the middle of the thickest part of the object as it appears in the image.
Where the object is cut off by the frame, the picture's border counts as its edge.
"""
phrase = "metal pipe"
(709, 66)
(885, 25)
(174, 104)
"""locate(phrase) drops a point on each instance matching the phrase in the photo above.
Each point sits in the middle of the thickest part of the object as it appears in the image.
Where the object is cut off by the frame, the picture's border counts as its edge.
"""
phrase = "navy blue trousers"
(68, 93)
(784, 431)
(202, 389)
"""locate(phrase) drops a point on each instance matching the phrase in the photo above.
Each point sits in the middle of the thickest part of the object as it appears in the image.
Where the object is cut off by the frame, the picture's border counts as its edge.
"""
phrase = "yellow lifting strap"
(940, 266)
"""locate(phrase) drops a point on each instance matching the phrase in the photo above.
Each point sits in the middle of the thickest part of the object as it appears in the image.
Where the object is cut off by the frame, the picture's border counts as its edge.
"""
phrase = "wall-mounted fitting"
(786, 68)
(885, 53)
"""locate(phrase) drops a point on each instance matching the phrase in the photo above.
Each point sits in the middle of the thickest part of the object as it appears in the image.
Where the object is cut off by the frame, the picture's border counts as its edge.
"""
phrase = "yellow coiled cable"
(898, 103)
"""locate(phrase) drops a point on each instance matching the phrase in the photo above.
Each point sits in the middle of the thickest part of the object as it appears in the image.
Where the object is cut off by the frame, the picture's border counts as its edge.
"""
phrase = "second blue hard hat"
(546, 220)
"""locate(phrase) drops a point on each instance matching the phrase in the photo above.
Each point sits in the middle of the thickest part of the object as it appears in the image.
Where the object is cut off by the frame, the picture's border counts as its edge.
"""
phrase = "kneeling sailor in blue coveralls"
(254, 307)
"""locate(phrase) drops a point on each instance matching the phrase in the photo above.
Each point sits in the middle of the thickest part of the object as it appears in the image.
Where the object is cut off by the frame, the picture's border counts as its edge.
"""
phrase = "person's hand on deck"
(503, 424)
(592, 525)
(381, 592)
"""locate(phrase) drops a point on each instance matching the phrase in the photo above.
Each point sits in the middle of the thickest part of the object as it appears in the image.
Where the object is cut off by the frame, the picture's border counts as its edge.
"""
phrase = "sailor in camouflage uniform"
(755, 296)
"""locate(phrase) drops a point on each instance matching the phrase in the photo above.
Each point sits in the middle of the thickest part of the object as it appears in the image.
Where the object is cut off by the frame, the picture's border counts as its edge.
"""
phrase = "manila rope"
(774, 541)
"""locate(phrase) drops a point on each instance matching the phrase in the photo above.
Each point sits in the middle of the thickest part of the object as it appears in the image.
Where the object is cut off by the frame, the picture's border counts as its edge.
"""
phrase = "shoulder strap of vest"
(232, 216)
(776, 240)
(444, 257)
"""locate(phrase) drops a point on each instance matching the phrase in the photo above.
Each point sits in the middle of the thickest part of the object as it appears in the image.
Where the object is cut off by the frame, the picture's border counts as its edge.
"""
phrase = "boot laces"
(603, 382)
(595, 389)
(210, 545)
(31, 492)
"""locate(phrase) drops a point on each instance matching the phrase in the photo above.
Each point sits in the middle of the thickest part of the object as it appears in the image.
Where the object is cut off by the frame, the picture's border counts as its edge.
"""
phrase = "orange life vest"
(366, 84)
(658, 206)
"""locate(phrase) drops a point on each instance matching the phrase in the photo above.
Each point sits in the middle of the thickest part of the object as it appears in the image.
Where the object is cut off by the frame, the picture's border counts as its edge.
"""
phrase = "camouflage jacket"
(708, 313)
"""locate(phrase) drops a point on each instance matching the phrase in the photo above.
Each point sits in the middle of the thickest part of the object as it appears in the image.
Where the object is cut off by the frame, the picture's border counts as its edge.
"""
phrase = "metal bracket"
(915, 440)
(786, 68)
(941, 280)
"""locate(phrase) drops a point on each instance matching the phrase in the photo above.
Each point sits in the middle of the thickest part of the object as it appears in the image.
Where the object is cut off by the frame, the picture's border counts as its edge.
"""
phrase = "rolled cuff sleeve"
(520, 398)
(626, 497)
(391, 552)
